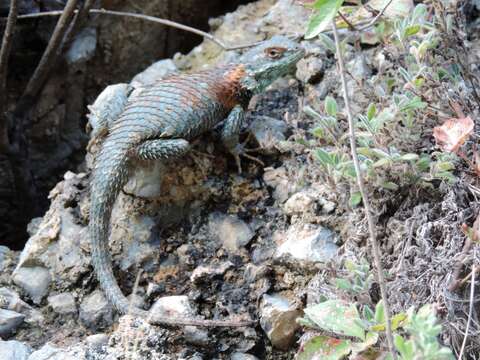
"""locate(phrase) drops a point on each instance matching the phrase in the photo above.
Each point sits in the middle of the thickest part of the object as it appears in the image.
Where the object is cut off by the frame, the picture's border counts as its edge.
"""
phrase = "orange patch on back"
(230, 86)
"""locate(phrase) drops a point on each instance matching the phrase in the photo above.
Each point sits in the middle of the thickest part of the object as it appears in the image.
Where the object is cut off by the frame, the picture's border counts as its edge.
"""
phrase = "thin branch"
(366, 201)
(4, 55)
(50, 55)
(147, 18)
(470, 308)
(376, 18)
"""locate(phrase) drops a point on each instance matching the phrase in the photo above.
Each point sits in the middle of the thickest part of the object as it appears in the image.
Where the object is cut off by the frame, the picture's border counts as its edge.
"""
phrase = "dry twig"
(147, 18)
(50, 55)
(361, 186)
(470, 308)
(4, 55)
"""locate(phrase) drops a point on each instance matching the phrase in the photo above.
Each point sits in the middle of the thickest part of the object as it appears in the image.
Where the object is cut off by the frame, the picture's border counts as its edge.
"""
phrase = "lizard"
(158, 122)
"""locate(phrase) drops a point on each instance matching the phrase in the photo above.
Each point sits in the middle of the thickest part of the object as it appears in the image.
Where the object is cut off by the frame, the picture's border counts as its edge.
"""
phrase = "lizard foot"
(239, 151)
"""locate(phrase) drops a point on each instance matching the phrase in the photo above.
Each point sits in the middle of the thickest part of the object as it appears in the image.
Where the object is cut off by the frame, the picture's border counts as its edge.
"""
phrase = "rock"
(9, 322)
(309, 243)
(83, 46)
(278, 320)
(310, 70)
(4, 252)
(63, 303)
(34, 280)
(196, 336)
(11, 300)
(154, 72)
(242, 356)
(230, 231)
(359, 68)
(172, 306)
(279, 181)
(95, 311)
(97, 340)
(268, 132)
(14, 350)
(49, 352)
(204, 273)
(300, 203)
(146, 181)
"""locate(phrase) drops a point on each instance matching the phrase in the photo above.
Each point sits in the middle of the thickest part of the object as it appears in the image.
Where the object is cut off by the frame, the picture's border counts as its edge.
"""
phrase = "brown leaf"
(453, 133)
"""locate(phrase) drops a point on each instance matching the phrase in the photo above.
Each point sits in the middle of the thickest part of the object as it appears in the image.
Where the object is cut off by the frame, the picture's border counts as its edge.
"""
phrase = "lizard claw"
(240, 151)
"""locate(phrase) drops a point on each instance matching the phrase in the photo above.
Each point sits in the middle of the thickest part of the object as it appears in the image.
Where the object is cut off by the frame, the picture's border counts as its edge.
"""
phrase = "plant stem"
(4, 55)
(147, 18)
(366, 201)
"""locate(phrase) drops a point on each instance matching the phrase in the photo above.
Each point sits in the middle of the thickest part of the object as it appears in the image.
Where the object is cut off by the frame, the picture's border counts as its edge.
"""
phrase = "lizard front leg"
(230, 136)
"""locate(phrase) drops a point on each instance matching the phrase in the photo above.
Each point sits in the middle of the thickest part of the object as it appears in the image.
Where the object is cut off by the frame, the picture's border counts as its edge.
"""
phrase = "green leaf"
(411, 30)
(405, 348)
(325, 11)
(397, 320)
(409, 157)
(327, 42)
(371, 111)
(368, 314)
(324, 157)
(355, 199)
(382, 162)
(389, 185)
(330, 106)
(343, 284)
(325, 348)
(338, 317)
(380, 312)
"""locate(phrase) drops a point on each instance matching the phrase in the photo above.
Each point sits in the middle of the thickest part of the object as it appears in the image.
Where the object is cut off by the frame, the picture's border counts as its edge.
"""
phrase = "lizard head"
(269, 61)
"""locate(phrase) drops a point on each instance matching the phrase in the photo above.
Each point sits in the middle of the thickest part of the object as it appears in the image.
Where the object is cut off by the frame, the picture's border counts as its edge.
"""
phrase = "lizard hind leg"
(162, 149)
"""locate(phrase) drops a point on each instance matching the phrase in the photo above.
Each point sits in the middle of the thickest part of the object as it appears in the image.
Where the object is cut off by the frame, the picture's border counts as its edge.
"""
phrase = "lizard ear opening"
(275, 52)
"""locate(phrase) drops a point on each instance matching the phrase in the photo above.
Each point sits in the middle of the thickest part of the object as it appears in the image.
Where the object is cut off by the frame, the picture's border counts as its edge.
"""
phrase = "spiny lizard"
(158, 122)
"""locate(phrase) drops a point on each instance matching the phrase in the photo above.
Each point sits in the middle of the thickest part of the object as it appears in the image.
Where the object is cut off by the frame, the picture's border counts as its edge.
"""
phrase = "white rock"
(34, 280)
(268, 132)
(146, 181)
(97, 340)
(14, 350)
(232, 232)
(300, 202)
(205, 273)
(310, 243)
(83, 46)
(172, 306)
(50, 352)
(242, 356)
(278, 320)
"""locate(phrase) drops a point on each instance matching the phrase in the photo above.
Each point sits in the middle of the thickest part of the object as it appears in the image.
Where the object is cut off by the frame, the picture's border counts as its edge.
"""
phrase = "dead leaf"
(453, 133)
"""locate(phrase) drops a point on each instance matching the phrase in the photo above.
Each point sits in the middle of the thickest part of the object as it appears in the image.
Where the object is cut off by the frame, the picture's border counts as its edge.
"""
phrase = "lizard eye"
(275, 52)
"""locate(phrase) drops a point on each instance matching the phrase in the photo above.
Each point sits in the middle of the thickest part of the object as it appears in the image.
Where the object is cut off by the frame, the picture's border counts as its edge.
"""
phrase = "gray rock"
(11, 300)
(9, 322)
(83, 46)
(310, 70)
(279, 181)
(278, 320)
(34, 280)
(154, 72)
(204, 273)
(230, 231)
(299, 203)
(97, 340)
(309, 243)
(196, 336)
(4, 252)
(268, 132)
(242, 356)
(14, 350)
(95, 311)
(49, 352)
(63, 303)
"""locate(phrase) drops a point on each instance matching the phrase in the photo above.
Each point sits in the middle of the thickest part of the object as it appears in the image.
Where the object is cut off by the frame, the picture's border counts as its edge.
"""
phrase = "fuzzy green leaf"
(325, 11)
(330, 106)
(325, 348)
(355, 199)
(338, 317)
(371, 111)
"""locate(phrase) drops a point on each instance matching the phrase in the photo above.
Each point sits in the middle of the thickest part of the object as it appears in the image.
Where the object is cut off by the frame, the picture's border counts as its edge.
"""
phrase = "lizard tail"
(109, 176)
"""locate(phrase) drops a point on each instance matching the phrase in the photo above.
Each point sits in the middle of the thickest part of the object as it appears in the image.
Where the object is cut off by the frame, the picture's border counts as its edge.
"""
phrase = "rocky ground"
(215, 244)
